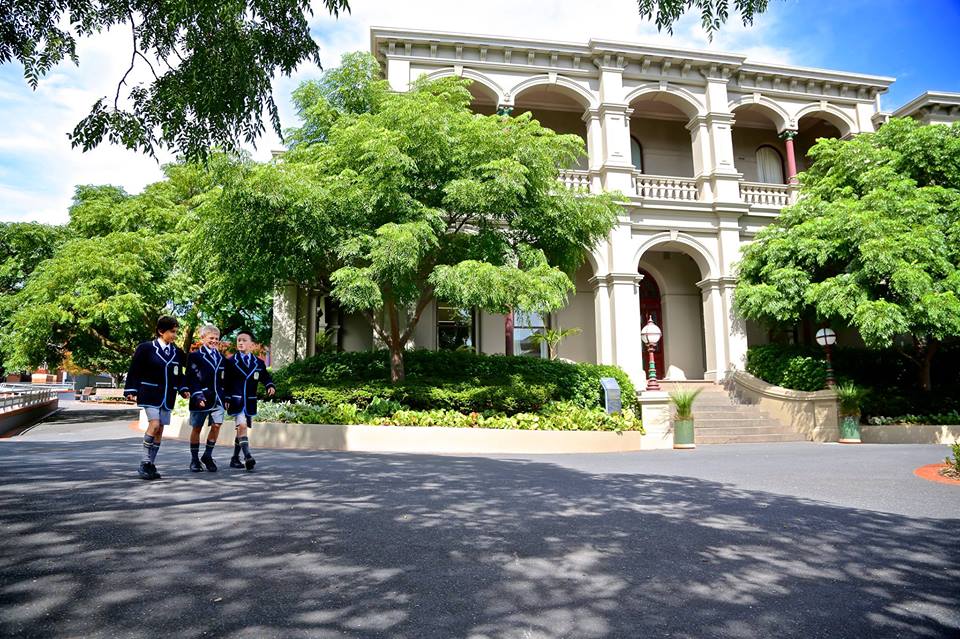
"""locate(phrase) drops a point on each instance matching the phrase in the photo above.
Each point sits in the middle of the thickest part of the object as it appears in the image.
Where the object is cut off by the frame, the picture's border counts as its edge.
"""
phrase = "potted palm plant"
(552, 338)
(683, 418)
(849, 397)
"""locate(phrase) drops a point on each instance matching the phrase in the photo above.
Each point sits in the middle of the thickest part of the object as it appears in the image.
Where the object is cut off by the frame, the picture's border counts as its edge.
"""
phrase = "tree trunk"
(188, 337)
(926, 361)
(395, 344)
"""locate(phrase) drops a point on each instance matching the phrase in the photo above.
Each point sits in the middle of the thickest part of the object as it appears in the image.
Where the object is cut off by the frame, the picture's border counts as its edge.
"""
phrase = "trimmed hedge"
(893, 393)
(449, 380)
(794, 367)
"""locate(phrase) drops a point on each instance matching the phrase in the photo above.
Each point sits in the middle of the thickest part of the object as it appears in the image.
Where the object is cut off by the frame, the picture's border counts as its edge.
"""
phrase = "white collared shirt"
(162, 344)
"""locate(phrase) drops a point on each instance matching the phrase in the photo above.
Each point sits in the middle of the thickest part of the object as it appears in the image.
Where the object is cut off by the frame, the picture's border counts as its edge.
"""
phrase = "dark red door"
(650, 307)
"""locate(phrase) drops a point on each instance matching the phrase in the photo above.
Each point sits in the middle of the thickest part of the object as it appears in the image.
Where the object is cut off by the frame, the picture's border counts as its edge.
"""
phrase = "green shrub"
(683, 401)
(954, 464)
(850, 396)
(795, 367)
(450, 380)
(555, 416)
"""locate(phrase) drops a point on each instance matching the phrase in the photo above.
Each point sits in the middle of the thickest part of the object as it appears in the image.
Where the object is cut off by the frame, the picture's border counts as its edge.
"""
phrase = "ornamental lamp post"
(650, 335)
(826, 337)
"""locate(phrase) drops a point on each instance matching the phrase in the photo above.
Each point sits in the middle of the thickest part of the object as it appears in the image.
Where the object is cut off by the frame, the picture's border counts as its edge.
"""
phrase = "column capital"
(788, 134)
(611, 279)
(717, 283)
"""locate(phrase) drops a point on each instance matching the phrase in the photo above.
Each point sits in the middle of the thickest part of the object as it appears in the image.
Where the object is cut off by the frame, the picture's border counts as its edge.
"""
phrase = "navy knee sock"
(195, 452)
(208, 451)
(236, 448)
(245, 445)
(154, 449)
(147, 447)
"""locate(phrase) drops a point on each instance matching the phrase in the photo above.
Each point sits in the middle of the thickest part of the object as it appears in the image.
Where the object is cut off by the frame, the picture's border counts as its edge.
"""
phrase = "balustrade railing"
(575, 180)
(664, 187)
(775, 195)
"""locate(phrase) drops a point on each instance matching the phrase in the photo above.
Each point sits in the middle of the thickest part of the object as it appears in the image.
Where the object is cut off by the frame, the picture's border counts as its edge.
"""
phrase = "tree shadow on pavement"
(319, 544)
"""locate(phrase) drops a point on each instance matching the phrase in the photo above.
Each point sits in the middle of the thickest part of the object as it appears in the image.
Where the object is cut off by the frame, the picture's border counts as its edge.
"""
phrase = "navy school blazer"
(240, 387)
(205, 377)
(156, 378)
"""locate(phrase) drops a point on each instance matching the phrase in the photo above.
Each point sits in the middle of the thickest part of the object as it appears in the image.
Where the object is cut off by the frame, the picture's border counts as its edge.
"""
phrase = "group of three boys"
(215, 384)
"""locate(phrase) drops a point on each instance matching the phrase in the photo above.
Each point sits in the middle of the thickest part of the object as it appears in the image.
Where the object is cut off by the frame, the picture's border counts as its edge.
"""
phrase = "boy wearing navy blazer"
(155, 377)
(206, 371)
(244, 372)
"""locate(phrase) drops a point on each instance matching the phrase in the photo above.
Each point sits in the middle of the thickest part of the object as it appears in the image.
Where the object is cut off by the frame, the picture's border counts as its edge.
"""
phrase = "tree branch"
(108, 343)
(422, 303)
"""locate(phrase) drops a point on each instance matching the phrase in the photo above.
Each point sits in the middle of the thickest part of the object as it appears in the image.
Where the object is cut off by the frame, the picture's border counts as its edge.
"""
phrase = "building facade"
(704, 145)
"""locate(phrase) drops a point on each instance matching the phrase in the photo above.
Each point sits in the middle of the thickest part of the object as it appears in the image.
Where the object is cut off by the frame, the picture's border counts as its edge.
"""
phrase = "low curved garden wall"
(427, 439)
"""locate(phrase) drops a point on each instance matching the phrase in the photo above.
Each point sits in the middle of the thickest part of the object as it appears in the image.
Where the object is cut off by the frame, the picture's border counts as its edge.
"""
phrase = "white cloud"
(38, 169)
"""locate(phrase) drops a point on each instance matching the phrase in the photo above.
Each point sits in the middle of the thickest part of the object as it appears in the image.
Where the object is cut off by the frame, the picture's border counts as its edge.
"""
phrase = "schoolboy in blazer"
(244, 372)
(155, 378)
(206, 370)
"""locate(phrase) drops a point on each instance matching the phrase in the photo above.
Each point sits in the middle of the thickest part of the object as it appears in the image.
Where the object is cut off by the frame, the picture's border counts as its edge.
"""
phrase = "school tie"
(166, 351)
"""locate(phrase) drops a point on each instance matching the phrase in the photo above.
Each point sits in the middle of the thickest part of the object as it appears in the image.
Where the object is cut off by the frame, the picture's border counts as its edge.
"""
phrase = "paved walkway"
(771, 540)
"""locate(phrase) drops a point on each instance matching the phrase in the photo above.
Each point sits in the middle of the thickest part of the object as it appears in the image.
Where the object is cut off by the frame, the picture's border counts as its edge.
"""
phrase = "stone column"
(787, 137)
(614, 116)
(601, 317)
(398, 69)
(736, 328)
(311, 323)
(719, 122)
(715, 338)
(283, 343)
(625, 312)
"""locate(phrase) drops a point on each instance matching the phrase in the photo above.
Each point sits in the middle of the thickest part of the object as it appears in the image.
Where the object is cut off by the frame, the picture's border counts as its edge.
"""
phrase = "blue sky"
(915, 42)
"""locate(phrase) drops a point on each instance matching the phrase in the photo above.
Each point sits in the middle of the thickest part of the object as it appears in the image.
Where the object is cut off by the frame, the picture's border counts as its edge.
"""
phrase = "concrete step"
(745, 430)
(699, 415)
(748, 439)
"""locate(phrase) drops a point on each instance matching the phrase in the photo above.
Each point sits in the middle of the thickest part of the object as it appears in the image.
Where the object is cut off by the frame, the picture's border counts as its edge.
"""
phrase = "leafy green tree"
(96, 298)
(211, 65)
(552, 338)
(405, 197)
(873, 242)
(713, 13)
(127, 261)
(23, 246)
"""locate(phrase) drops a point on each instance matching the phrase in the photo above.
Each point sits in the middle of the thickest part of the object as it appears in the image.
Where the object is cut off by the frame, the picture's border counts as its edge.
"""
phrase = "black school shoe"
(236, 463)
(196, 466)
(250, 462)
(148, 471)
(208, 462)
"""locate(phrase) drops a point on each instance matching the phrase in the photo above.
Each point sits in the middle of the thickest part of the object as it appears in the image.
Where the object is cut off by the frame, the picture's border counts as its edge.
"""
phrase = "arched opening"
(651, 308)
(769, 165)
(484, 98)
(557, 108)
(757, 148)
(810, 128)
(636, 153)
(658, 124)
(669, 293)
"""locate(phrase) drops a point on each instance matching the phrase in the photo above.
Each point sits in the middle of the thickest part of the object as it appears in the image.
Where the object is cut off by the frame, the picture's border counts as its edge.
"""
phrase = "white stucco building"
(704, 145)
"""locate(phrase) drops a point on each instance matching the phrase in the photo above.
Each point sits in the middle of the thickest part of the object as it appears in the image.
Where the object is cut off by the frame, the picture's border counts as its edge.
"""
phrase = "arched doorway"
(651, 306)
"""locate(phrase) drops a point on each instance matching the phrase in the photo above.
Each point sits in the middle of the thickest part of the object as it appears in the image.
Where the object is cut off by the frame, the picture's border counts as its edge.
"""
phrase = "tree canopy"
(97, 285)
(872, 243)
(390, 200)
(211, 64)
(713, 13)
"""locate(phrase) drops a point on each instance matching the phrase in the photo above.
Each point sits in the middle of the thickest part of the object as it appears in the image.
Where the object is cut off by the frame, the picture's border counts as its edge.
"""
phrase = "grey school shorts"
(157, 413)
(212, 416)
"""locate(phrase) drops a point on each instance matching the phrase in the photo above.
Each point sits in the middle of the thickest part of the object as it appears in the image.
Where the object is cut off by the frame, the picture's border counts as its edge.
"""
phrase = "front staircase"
(720, 418)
